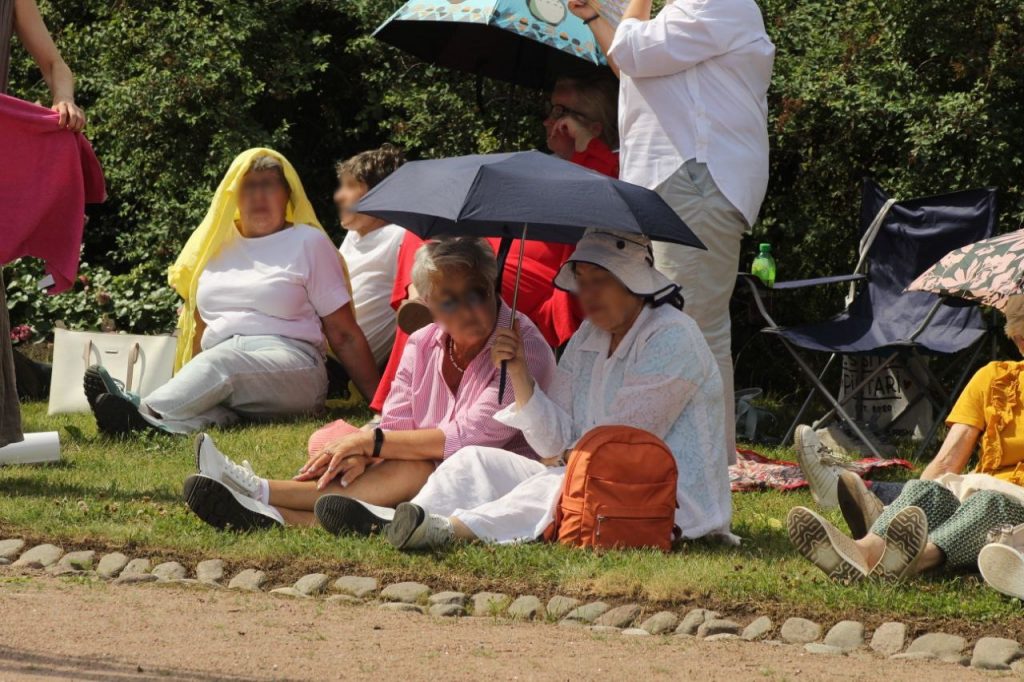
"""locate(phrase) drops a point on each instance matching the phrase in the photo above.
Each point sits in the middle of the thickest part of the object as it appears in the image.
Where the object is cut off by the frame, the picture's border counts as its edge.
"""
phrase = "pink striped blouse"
(420, 398)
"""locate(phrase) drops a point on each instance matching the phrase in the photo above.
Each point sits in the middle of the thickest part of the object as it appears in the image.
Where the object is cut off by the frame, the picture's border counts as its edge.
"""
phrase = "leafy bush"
(924, 95)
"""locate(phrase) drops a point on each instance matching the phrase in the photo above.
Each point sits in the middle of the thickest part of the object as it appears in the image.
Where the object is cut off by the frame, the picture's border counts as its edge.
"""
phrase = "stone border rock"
(628, 620)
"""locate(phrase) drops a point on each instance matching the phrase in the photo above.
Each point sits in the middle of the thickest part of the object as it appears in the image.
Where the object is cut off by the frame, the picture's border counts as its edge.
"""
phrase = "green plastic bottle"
(764, 266)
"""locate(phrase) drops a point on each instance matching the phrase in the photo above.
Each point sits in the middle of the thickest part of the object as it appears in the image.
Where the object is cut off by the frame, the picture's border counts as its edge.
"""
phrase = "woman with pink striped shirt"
(444, 398)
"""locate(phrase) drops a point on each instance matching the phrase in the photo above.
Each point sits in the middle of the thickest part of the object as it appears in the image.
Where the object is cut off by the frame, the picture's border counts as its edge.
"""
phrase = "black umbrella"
(508, 195)
(497, 195)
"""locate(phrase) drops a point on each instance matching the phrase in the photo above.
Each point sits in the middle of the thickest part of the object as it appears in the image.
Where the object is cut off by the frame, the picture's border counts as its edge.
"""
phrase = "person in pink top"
(444, 398)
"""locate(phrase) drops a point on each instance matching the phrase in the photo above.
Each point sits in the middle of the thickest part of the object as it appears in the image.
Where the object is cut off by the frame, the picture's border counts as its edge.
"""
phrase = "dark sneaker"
(97, 381)
(414, 529)
(339, 514)
(223, 509)
(117, 416)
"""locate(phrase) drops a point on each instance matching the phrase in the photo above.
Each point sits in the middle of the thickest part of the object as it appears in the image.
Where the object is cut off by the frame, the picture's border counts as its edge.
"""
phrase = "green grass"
(127, 494)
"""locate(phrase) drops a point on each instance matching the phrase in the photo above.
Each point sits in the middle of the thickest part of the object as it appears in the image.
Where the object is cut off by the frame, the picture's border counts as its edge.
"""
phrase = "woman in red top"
(581, 127)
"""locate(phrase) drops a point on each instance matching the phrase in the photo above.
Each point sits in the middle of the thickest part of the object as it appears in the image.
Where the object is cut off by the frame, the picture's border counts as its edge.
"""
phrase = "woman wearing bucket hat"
(637, 360)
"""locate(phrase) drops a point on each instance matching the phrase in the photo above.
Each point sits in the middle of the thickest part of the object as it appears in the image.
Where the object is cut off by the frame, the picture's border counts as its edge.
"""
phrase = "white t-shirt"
(372, 261)
(280, 285)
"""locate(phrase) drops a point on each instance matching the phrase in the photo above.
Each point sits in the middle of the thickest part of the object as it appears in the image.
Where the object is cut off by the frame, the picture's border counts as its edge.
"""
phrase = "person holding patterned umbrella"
(947, 519)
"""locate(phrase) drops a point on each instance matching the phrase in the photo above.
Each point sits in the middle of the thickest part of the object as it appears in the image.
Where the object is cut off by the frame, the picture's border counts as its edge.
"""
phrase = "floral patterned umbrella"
(989, 271)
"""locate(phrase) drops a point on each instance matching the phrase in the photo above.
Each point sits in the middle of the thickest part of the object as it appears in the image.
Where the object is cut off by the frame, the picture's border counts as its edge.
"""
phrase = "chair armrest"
(756, 286)
(803, 284)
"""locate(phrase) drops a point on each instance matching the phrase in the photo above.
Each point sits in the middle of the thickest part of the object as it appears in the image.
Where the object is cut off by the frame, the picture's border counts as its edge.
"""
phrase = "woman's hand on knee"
(351, 445)
(346, 468)
(352, 468)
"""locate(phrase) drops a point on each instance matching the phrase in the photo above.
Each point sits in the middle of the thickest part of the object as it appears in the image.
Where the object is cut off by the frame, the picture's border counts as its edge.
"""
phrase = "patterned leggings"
(959, 530)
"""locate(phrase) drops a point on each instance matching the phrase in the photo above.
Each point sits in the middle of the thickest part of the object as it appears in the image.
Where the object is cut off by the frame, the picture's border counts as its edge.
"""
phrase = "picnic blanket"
(753, 471)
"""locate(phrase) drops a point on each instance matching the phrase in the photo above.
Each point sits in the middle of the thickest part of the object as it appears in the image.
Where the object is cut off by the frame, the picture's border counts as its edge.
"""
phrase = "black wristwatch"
(586, 22)
(378, 441)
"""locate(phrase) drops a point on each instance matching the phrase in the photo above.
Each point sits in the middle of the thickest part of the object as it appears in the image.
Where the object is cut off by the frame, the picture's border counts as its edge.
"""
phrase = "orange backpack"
(619, 491)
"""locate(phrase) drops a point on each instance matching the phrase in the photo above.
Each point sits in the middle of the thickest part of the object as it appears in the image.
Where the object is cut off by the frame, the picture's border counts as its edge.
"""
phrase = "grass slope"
(127, 494)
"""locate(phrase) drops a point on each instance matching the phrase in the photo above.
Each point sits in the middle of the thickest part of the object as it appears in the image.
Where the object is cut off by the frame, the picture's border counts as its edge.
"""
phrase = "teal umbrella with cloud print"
(525, 42)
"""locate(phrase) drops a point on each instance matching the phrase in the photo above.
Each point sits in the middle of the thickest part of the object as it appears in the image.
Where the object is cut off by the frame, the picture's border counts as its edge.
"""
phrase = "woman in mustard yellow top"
(942, 519)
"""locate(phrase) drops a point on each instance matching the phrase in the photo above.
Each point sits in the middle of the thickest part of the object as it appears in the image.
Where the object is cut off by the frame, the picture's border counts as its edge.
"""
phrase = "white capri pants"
(501, 496)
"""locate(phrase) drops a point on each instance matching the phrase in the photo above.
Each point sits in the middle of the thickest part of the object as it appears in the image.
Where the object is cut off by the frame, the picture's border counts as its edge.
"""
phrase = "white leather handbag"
(142, 363)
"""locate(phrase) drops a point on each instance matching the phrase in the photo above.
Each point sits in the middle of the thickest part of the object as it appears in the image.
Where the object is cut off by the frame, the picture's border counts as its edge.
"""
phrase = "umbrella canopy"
(496, 195)
(526, 42)
(989, 271)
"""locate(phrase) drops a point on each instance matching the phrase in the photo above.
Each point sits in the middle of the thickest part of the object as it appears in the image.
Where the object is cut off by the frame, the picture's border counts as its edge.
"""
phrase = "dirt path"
(53, 630)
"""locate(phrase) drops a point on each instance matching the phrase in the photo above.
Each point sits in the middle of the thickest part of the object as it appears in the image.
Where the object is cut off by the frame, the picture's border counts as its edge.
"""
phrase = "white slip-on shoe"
(213, 463)
(224, 509)
(905, 540)
(820, 466)
(1011, 536)
(414, 529)
(825, 546)
(1002, 568)
(860, 507)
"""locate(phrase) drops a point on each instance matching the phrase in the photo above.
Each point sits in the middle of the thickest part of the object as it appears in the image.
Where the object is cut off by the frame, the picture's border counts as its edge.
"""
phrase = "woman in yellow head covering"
(263, 289)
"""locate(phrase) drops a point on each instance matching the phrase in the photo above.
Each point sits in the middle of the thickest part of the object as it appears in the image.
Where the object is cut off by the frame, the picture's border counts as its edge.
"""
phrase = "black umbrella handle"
(503, 380)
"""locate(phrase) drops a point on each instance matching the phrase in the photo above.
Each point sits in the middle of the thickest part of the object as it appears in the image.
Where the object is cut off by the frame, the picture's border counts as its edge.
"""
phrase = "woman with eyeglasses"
(580, 123)
(444, 398)
(580, 120)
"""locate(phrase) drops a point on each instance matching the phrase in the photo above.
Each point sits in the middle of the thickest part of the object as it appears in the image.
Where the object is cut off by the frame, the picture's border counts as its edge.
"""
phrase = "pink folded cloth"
(332, 432)
(47, 176)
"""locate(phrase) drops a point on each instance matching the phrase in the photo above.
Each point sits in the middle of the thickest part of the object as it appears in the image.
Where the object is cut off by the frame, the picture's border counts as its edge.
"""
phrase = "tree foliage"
(924, 95)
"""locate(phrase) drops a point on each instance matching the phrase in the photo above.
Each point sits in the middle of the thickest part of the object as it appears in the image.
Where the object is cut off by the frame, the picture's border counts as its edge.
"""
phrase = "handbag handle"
(133, 357)
(87, 355)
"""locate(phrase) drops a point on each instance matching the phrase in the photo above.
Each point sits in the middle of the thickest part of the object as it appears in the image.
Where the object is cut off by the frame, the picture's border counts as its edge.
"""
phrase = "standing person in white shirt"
(693, 125)
(371, 246)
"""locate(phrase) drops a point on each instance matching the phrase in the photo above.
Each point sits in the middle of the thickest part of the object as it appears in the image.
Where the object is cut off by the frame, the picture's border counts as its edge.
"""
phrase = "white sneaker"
(212, 463)
(1002, 568)
(414, 529)
(1011, 536)
(820, 465)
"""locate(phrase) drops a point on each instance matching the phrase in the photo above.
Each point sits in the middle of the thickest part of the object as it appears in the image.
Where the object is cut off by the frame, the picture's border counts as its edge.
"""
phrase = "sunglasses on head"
(472, 299)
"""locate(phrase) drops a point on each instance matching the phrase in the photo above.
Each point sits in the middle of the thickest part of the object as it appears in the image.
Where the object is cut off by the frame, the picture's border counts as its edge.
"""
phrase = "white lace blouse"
(661, 378)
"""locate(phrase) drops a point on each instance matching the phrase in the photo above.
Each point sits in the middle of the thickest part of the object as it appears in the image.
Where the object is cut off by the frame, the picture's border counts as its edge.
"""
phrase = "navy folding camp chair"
(900, 240)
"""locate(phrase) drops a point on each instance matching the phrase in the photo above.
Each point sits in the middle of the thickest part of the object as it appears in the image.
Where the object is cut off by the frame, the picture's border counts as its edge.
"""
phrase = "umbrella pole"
(515, 300)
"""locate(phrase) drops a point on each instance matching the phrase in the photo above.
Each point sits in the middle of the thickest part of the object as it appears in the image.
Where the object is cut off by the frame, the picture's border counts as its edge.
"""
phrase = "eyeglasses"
(472, 299)
(556, 111)
(265, 187)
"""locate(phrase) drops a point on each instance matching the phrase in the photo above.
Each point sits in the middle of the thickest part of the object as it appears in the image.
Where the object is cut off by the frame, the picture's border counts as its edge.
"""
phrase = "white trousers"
(501, 496)
(707, 277)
